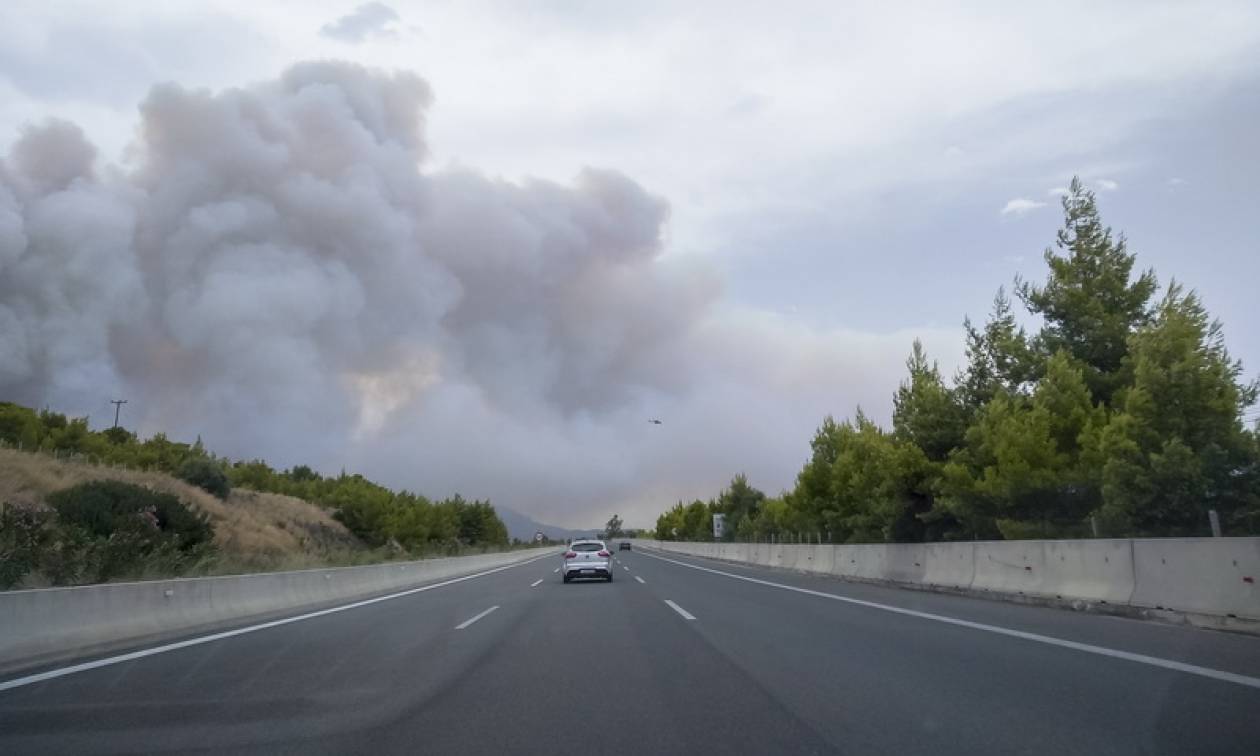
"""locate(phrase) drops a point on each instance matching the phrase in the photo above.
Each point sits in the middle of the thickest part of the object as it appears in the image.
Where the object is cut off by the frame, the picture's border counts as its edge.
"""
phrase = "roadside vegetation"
(83, 506)
(1121, 415)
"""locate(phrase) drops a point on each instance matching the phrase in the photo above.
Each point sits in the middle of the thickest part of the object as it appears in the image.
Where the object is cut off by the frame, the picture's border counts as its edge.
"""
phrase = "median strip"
(53, 674)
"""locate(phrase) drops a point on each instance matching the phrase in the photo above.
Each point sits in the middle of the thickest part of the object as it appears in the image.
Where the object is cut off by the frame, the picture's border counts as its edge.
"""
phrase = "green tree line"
(378, 515)
(1122, 415)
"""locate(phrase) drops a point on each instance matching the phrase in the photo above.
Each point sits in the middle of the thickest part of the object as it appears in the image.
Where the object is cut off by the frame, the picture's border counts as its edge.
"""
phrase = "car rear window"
(587, 547)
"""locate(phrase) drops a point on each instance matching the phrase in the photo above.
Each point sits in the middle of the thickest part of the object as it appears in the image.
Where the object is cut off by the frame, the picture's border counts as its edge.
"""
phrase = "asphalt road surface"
(677, 655)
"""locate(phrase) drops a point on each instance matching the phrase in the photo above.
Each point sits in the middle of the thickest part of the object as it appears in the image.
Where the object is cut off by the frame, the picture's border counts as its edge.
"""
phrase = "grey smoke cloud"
(274, 271)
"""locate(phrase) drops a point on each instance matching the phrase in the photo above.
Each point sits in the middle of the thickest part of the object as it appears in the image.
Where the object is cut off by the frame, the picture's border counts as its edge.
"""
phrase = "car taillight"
(604, 554)
(570, 555)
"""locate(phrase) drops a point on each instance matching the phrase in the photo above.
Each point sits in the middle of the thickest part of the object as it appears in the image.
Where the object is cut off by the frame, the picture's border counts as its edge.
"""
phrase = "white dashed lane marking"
(471, 620)
(685, 614)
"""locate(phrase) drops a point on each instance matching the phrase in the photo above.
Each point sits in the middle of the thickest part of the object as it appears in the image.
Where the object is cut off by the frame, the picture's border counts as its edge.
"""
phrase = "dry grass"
(252, 530)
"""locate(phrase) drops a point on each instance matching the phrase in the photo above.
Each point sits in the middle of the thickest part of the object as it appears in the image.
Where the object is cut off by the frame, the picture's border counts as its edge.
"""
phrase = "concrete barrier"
(844, 562)
(1208, 578)
(905, 563)
(1009, 567)
(794, 557)
(950, 565)
(823, 559)
(49, 623)
(867, 561)
(1200, 575)
(1100, 570)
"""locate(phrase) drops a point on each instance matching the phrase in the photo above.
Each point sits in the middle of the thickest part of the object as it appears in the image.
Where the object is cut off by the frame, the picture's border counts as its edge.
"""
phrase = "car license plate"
(588, 572)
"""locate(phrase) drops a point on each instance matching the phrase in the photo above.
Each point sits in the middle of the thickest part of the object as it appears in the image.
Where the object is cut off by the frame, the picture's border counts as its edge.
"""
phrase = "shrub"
(205, 474)
(118, 436)
(24, 535)
(105, 507)
(107, 528)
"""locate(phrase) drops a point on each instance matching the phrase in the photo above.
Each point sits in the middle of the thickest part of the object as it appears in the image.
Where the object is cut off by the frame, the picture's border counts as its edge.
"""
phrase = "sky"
(476, 246)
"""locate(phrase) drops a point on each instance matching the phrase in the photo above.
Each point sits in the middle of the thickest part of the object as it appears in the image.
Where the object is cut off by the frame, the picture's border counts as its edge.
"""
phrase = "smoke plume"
(275, 269)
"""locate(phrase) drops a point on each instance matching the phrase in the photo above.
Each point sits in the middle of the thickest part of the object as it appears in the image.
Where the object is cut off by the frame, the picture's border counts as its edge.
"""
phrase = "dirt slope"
(254, 531)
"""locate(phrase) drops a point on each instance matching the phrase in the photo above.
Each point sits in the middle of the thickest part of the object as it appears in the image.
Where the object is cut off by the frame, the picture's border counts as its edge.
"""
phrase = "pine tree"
(1022, 472)
(925, 412)
(998, 357)
(1178, 447)
(740, 503)
(1089, 303)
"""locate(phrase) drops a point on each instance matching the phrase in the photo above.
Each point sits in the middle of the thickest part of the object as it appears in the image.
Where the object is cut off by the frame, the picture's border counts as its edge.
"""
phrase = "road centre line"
(471, 620)
(1153, 661)
(685, 614)
(53, 674)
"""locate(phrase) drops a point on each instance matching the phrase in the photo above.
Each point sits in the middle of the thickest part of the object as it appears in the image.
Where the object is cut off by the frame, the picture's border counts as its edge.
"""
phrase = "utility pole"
(118, 403)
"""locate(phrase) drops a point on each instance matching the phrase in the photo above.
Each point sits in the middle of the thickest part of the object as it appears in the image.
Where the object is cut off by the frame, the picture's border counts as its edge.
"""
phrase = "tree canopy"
(1120, 415)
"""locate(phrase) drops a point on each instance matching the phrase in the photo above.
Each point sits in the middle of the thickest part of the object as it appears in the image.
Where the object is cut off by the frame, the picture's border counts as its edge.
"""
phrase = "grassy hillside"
(403, 521)
(252, 531)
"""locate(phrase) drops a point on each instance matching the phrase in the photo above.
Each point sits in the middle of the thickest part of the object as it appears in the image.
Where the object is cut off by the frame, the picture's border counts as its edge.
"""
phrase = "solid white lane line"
(636, 577)
(535, 583)
(52, 674)
(1153, 661)
(471, 620)
(685, 614)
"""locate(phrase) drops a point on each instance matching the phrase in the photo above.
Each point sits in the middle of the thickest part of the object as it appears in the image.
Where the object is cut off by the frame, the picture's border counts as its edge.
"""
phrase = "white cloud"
(1058, 191)
(1106, 185)
(372, 19)
(1020, 206)
(652, 69)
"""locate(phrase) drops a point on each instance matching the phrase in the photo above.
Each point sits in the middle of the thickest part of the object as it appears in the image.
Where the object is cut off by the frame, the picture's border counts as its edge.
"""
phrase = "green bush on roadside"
(205, 474)
(105, 529)
(24, 536)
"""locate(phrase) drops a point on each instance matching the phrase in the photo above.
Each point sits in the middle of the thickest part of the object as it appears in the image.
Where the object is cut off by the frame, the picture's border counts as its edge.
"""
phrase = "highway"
(677, 655)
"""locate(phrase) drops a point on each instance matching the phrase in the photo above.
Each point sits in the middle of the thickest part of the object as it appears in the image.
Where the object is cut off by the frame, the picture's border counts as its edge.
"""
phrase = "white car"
(587, 559)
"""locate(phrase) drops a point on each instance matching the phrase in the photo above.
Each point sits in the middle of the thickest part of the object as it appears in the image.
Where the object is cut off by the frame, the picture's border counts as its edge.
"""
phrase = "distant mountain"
(524, 527)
